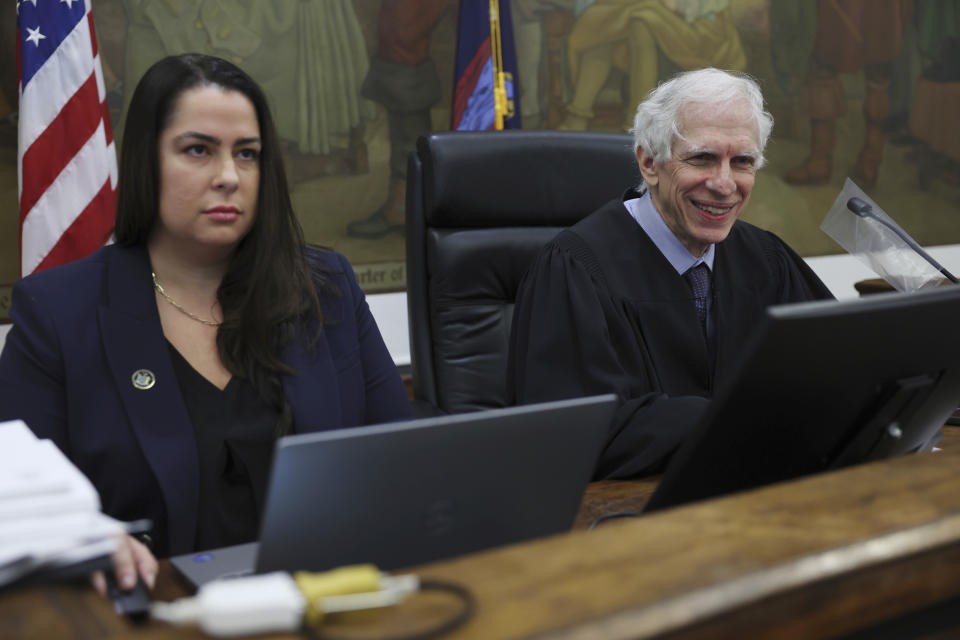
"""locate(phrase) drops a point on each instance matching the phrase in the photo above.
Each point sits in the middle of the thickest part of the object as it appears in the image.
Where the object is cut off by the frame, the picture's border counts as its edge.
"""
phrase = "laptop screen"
(406, 493)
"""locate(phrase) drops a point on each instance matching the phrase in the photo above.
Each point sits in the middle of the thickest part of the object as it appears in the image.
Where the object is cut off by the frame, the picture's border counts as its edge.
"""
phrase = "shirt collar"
(645, 213)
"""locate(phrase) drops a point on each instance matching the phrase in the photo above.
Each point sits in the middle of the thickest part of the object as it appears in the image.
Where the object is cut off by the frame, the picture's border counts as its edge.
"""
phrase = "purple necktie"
(698, 278)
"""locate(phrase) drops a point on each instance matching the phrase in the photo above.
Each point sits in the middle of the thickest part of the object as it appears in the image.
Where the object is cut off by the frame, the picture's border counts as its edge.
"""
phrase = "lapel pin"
(143, 379)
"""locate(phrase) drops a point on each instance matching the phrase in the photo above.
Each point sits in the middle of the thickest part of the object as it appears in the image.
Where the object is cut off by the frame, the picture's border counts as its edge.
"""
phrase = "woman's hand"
(130, 558)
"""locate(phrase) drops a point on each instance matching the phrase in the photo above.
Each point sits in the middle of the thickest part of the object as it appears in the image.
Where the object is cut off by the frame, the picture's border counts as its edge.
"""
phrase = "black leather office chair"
(480, 205)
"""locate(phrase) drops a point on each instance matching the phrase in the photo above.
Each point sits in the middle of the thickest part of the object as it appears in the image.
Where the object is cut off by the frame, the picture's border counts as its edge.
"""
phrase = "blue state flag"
(485, 94)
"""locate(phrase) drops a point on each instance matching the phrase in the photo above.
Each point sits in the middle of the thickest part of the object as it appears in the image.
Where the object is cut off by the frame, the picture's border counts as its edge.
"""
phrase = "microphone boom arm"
(864, 210)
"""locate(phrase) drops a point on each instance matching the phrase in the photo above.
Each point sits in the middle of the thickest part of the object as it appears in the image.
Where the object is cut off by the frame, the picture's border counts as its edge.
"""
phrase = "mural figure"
(851, 36)
(404, 80)
(531, 42)
(626, 34)
(309, 57)
(937, 97)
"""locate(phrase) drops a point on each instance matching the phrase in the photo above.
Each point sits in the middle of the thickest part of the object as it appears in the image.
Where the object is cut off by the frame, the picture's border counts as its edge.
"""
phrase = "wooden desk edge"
(937, 539)
(847, 580)
(695, 613)
(904, 549)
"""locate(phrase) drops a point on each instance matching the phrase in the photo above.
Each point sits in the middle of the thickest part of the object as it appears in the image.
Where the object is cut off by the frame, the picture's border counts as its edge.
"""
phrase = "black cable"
(467, 608)
(610, 516)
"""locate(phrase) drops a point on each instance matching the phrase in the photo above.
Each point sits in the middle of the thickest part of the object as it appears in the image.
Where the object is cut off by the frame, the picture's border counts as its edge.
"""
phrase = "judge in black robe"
(602, 310)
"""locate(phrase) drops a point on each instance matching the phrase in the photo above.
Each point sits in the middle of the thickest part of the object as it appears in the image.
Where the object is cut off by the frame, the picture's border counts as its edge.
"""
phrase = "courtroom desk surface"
(812, 558)
(816, 557)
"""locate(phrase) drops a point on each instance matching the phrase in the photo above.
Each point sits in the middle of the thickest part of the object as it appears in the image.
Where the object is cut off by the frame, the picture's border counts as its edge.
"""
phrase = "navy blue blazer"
(83, 330)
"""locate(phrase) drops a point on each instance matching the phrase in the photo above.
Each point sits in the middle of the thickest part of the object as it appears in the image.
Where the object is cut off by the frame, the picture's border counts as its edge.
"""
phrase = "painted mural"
(868, 89)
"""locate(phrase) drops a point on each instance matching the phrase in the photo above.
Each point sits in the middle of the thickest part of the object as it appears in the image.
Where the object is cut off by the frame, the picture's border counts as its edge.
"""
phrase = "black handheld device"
(134, 604)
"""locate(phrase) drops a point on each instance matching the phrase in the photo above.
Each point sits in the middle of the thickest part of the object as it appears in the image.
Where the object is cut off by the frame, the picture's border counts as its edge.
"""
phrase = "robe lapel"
(664, 305)
(133, 341)
(737, 307)
(723, 322)
(673, 335)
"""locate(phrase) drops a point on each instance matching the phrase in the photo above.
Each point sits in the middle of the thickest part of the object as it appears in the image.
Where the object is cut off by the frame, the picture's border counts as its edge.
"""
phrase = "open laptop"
(405, 493)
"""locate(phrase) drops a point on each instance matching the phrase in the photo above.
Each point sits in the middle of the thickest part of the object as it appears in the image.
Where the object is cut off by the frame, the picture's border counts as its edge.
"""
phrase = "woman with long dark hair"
(166, 365)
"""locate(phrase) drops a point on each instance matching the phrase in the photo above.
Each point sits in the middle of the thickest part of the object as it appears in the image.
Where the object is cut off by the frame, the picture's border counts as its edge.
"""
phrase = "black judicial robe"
(601, 310)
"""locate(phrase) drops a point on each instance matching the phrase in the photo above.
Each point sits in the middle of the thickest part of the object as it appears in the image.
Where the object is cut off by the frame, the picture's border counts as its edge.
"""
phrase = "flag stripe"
(59, 142)
(66, 159)
(467, 84)
(93, 40)
(90, 231)
(53, 85)
(67, 197)
(102, 93)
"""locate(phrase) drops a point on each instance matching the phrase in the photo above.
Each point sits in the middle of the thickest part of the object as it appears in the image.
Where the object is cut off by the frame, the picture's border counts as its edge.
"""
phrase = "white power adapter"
(250, 605)
(280, 602)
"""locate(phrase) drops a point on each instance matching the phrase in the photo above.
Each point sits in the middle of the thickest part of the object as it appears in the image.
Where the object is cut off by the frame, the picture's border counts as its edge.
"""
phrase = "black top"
(601, 310)
(235, 436)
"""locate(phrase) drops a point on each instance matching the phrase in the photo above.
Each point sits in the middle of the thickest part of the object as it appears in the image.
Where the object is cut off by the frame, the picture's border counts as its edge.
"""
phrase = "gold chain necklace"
(176, 305)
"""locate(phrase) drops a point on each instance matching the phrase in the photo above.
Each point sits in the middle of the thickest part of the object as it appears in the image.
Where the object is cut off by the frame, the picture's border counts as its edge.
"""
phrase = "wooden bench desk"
(812, 558)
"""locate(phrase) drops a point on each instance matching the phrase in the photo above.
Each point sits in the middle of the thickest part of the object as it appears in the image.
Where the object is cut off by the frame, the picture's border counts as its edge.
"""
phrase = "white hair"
(655, 126)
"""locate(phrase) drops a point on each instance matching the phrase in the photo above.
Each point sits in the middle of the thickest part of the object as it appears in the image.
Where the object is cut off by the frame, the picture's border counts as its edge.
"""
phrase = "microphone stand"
(864, 210)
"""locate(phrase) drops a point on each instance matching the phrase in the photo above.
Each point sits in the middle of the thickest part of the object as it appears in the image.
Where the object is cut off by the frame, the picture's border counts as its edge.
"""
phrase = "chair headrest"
(486, 179)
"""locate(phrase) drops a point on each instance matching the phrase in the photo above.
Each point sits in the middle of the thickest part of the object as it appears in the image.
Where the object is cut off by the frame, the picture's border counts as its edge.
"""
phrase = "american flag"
(66, 162)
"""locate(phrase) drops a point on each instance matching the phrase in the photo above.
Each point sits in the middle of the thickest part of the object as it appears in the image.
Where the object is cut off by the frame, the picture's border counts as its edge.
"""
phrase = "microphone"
(864, 210)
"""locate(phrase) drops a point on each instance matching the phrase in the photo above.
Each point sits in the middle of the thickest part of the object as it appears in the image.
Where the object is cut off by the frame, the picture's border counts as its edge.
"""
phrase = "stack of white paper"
(49, 511)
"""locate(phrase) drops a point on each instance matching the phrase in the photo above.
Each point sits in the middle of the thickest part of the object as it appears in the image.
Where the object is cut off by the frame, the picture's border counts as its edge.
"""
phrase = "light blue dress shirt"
(645, 213)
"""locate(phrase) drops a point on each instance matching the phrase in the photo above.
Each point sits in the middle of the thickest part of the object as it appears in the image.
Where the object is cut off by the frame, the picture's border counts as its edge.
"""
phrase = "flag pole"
(499, 78)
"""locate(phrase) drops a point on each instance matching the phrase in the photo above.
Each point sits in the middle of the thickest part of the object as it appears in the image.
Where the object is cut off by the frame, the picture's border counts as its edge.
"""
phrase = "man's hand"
(130, 558)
